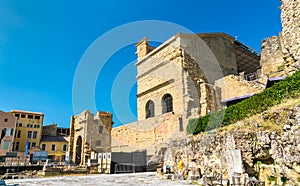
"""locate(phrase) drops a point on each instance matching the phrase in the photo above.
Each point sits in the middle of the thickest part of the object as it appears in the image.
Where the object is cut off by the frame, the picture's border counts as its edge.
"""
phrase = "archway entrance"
(78, 150)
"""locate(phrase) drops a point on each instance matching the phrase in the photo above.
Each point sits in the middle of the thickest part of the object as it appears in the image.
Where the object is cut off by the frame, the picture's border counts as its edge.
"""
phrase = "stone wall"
(160, 74)
(50, 130)
(272, 58)
(89, 133)
(290, 18)
(281, 54)
(235, 86)
(151, 134)
(269, 146)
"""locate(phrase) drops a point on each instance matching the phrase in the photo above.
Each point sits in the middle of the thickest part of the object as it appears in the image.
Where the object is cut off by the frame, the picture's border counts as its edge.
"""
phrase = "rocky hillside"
(269, 145)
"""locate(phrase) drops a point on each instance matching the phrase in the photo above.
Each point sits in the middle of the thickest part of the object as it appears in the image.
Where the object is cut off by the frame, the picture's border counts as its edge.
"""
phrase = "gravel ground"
(148, 178)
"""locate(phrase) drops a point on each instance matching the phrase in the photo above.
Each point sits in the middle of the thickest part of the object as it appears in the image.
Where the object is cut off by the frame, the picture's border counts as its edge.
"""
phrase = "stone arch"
(167, 103)
(149, 109)
(78, 150)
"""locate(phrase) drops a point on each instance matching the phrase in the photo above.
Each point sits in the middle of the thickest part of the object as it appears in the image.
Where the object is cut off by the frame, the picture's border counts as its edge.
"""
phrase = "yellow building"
(56, 146)
(28, 129)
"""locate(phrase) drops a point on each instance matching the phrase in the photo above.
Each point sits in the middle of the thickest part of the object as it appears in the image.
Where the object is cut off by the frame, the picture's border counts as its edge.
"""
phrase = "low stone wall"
(151, 134)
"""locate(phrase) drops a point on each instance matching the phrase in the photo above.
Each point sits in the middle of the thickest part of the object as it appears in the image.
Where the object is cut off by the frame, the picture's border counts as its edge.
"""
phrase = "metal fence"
(124, 168)
(128, 161)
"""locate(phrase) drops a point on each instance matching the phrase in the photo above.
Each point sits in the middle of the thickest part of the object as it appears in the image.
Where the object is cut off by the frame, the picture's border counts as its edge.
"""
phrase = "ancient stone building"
(89, 135)
(176, 81)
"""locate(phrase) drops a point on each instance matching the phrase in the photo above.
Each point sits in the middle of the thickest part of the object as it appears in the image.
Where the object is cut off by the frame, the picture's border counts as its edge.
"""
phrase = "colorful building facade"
(28, 129)
(7, 132)
(55, 141)
(56, 146)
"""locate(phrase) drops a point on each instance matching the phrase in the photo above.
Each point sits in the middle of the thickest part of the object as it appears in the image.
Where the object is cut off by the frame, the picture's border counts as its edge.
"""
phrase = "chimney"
(143, 48)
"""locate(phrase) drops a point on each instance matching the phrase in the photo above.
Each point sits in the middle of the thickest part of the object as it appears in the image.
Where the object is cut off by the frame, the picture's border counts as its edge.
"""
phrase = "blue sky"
(42, 43)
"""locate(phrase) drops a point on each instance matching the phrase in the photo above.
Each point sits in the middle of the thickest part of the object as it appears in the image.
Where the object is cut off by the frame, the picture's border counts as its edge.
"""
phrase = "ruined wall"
(290, 18)
(281, 54)
(272, 58)
(270, 152)
(93, 131)
(234, 86)
(49, 130)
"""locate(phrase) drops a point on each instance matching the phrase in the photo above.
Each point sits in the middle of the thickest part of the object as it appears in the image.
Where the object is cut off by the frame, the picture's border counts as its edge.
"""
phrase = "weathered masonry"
(176, 81)
(89, 135)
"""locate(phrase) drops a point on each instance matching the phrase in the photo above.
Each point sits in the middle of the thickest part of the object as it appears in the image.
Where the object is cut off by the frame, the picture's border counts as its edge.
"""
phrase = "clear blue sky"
(42, 42)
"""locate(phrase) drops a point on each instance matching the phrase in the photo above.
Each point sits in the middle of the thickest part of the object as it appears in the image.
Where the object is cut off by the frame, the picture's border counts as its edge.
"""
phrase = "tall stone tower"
(89, 135)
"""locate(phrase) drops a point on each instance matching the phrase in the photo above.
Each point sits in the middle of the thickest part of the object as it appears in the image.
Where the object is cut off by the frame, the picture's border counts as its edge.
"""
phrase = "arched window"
(149, 109)
(167, 103)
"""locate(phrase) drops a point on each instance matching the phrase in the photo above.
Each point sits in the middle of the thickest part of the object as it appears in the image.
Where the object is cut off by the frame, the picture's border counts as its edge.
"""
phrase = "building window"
(28, 145)
(36, 126)
(98, 143)
(29, 134)
(100, 129)
(5, 144)
(6, 131)
(17, 115)
(53, 147)
(167, 103)
(5, 120)
(17, 145)
(20, 124)
(149, 109)
(11, 132)
(30, 116)
(43, 146)
(19, 134)
(65, 147)
(37, 117)
(23, 115)
(33, 144)
(34, 134)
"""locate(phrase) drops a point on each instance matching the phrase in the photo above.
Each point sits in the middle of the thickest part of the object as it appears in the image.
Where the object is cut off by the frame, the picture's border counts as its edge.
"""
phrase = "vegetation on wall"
(258, 103)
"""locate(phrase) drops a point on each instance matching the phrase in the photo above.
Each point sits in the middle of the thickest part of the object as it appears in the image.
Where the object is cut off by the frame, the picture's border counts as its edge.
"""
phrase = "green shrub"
(258, 103)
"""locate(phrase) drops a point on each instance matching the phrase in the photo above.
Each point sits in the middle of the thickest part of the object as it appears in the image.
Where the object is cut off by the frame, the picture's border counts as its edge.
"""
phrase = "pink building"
(7, 133)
